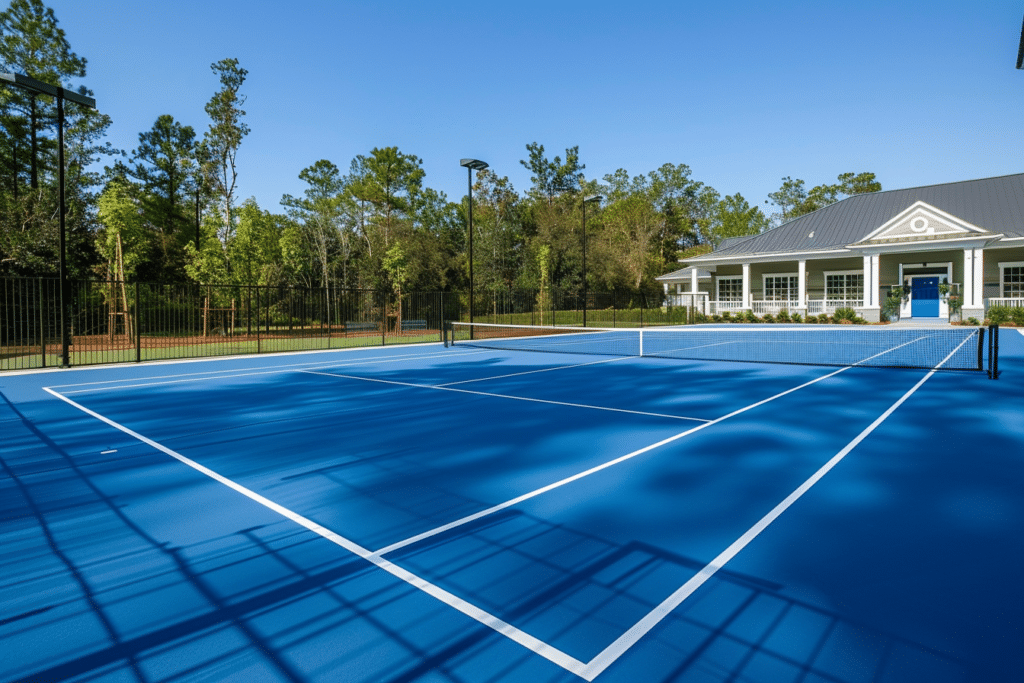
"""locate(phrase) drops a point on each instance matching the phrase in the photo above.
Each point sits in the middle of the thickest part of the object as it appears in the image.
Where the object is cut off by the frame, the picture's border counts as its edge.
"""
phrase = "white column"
(693, 281)
(665, 285)
(802, 285)
(867, 280)
(876, 277)
(746, 286)
(968, 278)
(679, 288)
(979, 279)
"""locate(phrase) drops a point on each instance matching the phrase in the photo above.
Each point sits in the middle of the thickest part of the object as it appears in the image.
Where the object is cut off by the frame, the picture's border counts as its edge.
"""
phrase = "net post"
(444, 334)
(981, 348)
(993, 351)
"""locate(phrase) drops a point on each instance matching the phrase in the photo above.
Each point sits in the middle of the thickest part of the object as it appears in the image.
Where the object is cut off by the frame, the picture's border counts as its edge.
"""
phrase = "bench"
(361, 327)
(408, 325)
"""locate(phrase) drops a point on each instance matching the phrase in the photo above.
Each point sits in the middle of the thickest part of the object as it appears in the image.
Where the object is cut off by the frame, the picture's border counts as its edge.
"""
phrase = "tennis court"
(465, 513)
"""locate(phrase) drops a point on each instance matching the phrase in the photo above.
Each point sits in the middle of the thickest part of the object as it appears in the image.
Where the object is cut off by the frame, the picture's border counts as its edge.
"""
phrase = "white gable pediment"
(922, 222)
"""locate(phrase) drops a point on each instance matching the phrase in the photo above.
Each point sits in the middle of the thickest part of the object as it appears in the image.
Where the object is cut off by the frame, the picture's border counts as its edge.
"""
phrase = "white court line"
(607, 656)
(492, 395)
(532, 643)
(229, 374)
(530, 372)
(593, 470)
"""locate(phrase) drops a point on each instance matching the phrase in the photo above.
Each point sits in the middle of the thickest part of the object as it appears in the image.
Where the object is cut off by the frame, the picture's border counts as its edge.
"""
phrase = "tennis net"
(952, 348)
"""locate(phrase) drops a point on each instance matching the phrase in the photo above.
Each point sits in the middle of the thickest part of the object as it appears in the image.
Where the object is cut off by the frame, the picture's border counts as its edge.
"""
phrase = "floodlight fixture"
(471, 165)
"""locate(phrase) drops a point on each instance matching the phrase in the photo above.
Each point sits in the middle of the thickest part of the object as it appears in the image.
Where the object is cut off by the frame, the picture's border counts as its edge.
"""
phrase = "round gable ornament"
(920, 226)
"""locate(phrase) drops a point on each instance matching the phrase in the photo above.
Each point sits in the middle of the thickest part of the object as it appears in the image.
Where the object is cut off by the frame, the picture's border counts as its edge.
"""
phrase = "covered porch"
(927, 285)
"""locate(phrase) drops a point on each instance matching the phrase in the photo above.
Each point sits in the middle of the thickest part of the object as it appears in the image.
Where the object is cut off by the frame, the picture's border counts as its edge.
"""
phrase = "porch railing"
(831, 305)
(760, 307)
(719, 307)
(772, 307)
(1009, 302)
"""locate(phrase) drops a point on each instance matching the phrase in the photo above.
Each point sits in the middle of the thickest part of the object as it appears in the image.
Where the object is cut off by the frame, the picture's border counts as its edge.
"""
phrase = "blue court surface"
(423, 513)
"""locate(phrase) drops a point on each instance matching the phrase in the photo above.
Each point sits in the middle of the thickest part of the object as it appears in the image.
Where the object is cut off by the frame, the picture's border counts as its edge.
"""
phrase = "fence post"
(138, 325)
(257, 316)
(41, 299)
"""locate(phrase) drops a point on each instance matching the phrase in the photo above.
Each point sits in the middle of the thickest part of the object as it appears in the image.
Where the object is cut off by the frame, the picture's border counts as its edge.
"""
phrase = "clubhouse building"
(962, 239)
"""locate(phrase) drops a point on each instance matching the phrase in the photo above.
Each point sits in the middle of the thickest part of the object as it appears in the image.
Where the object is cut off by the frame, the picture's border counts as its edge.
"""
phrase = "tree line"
(168, 210)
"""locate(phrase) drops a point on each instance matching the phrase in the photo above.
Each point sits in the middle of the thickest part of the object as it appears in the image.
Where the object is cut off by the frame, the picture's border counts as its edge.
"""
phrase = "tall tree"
(320, 212)
(123, 230)
(32, 43)
(164, 166)
(552, 177)
(794, 201)
(790, 198)
(497, 222)
(223, 139)
(255, 252)
(735, 217)
(389, 182)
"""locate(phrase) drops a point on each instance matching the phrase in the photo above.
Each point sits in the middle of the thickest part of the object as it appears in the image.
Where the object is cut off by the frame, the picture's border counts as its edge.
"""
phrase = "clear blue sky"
(744, 93)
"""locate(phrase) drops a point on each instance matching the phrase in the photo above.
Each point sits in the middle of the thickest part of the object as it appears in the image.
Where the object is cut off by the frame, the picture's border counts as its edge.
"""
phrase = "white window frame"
(844, 272)
(1003, 265)
(764, 286)
(718, 286)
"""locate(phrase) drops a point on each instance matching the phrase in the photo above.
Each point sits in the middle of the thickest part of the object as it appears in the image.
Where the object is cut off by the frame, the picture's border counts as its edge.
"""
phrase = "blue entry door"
(924, 297)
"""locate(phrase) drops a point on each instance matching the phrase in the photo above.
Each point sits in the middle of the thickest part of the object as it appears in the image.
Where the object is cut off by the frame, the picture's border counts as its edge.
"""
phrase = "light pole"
(40, 88)
(591, 198)
(471, 165)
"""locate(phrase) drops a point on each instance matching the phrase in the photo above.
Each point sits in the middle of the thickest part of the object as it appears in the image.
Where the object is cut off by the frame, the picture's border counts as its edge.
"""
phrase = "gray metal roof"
(684, 274)
(733, 241)
(994, 204)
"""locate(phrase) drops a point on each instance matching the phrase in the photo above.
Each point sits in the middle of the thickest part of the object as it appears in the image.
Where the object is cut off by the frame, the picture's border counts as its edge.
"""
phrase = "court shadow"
(579, 593)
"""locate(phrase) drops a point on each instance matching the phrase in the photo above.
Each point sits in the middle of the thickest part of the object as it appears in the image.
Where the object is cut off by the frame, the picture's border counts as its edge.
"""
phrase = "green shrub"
(768, 318)
(727, 316)
(811, 319)
(1017, 315)
(842, 314)
(973, 321)
(891, 307)
(783, 316)
(797, 318)
(998, 314)
(823, 318)
(717, 318)
(749, 317)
